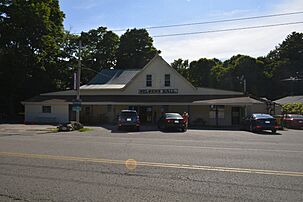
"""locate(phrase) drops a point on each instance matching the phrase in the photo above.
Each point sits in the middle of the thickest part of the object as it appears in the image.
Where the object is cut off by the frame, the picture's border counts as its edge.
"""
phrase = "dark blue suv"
(128, 119)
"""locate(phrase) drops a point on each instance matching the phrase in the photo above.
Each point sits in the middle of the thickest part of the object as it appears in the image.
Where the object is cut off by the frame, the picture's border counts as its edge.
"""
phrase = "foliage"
(200, 71)
(286, 65)
(98, 51)
(278, 74)
(182, 67)
(31, 32)
(85, 129)
(296, 108)
(135, 49)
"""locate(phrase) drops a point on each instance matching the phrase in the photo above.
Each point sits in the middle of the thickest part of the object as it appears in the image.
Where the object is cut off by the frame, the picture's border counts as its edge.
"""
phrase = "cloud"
(223, 45)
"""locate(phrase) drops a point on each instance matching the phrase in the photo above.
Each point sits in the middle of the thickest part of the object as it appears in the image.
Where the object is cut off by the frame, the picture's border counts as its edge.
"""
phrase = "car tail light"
(277, 127)
(258, 126)
(168, 120)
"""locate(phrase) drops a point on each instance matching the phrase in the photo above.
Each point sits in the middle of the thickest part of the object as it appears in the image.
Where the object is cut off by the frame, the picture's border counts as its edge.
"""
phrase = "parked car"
(259, 122)
(172, 121)
(293, 121)
(128, 119)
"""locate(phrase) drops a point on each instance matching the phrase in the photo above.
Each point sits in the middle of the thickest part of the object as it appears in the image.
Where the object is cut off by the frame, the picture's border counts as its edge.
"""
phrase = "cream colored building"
(153, 90)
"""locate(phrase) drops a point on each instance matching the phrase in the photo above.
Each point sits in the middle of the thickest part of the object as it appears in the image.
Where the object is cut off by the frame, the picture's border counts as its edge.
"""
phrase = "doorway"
(235, 115)
(146, 114)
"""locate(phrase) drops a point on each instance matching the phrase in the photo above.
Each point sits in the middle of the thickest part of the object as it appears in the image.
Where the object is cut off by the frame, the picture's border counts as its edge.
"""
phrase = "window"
(213, 109)
(109, 108)
(148, 80)
(167, 80)
(87, 110)
(46, 109)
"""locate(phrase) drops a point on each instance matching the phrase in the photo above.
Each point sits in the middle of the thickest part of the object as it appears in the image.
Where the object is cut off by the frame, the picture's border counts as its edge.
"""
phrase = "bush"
(295, 108)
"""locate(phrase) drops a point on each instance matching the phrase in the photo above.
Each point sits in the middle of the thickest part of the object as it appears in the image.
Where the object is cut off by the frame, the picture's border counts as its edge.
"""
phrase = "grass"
(85, 129)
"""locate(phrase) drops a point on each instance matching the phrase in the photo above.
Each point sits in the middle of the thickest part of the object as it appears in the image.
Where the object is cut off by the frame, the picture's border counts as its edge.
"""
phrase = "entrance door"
(146, 114)
(235, 115)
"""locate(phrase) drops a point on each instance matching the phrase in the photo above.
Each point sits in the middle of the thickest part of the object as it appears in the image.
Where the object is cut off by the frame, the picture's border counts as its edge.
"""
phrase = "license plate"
(300, 121)
(176, 121)
(128, 119)
(267, 121)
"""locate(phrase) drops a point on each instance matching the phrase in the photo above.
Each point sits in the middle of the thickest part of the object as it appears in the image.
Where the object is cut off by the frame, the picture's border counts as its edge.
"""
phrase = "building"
(152, 90)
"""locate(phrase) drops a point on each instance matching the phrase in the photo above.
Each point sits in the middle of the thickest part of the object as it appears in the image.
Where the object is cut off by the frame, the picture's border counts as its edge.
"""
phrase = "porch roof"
(151, 99)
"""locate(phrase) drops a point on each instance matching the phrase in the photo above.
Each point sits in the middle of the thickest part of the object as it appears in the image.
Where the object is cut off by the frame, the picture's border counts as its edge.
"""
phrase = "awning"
(151, 100)
(239, 101)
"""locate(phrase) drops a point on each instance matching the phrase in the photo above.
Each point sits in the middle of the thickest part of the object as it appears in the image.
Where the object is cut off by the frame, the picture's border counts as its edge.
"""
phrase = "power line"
(230, 29)
(216, 21)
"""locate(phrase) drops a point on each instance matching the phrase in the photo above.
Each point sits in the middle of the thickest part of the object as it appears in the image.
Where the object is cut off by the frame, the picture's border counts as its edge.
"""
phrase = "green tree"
(31, 32)
(135, 50)
(99, 51)
(182, 67)
(232, 73)
(286, 65)
(200, 71)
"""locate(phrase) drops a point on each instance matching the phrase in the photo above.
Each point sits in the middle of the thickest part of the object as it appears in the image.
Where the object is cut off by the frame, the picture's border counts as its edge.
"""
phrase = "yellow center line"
(154, 164)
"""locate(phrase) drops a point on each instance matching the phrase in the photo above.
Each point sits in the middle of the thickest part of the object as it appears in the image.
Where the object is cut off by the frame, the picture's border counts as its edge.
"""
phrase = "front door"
(146, 114)
(235, 115)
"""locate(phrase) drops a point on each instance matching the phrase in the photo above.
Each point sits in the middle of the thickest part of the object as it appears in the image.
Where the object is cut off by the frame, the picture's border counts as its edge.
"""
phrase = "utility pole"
(78, 83)
(244, 85)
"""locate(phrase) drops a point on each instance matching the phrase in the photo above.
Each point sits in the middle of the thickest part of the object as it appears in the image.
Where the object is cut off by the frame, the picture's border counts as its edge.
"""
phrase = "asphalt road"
(106, 165)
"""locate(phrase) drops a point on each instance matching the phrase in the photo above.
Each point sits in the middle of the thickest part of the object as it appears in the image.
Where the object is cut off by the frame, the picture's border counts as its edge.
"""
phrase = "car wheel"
(273, 131)
(161, 127)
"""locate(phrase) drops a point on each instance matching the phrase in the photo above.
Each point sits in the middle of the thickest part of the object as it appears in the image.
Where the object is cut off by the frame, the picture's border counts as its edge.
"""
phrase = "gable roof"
(290, 99)
(157, 56)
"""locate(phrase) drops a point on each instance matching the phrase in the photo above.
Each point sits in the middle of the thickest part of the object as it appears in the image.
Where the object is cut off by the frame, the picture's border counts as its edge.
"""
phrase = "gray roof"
(290, 99)
(230, 101)
(114, 76)
(111, 79)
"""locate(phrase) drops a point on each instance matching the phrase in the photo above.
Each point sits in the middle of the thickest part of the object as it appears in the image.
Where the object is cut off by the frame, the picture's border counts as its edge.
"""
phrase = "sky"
(83, 15)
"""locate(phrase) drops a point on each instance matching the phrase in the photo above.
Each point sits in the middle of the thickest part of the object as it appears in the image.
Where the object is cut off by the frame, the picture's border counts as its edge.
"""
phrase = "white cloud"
(223, 45)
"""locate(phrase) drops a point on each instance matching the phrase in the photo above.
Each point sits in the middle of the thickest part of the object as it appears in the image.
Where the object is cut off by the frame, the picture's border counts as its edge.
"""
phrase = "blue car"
(259, 122)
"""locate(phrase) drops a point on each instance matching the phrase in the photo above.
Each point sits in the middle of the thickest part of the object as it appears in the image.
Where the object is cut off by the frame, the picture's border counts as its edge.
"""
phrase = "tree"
(200, 71)
(285, 63)
(99, 51)
(31, 32)
(182, 67)
(135, 49)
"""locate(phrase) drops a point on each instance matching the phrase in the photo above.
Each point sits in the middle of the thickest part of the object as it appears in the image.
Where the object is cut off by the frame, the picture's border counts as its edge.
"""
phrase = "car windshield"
(128, 114)
(263, 116)
(173, 115)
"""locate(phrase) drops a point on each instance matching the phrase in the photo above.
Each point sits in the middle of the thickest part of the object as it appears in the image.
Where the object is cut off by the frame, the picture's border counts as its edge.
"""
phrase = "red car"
(293, 121)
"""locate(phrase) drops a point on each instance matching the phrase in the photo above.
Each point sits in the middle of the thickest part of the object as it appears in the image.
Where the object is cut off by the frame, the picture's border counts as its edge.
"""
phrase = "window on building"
(46, 109)
(109, 108)
(167, 80)
(213, 110)
(148, 80)
(87, 110)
